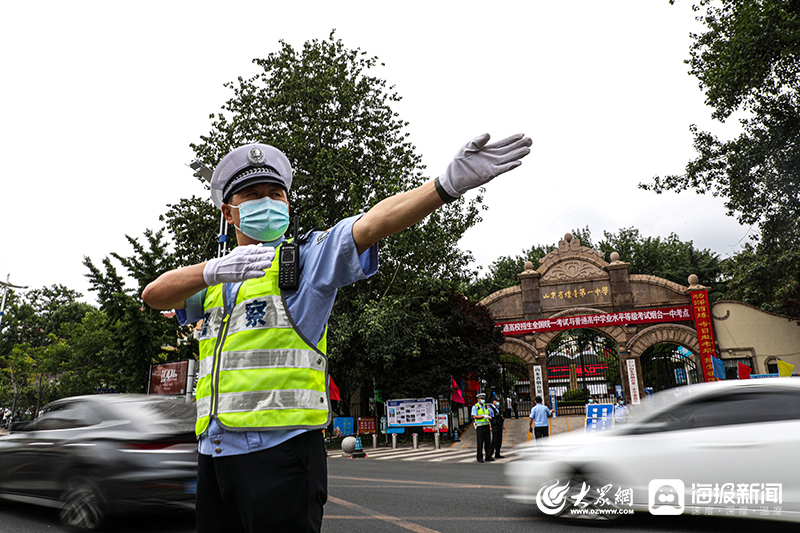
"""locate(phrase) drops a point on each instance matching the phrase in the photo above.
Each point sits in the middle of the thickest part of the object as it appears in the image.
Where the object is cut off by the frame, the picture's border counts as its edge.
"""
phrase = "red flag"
(456, 396)
(744, 371)
(333, 389)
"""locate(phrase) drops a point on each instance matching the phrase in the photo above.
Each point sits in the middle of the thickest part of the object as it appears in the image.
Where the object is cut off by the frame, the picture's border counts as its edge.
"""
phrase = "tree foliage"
(668, 258)
(748, 61)
(131, 335)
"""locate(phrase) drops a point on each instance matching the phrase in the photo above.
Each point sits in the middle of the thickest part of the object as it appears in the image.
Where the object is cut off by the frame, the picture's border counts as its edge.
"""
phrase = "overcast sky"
(101, 100)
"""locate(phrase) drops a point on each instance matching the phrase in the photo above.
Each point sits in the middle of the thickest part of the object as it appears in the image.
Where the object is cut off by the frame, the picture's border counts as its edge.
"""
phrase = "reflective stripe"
(235, 402)
(258, 313)
(203, 405)
(286, 358)
(250, 359)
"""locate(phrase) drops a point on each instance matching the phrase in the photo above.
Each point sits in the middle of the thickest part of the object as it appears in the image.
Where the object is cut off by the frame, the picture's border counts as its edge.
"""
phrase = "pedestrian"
(262, 389)
(538, 423)
(516, 407)
(481, 418)
(620, 411)
(497, 427)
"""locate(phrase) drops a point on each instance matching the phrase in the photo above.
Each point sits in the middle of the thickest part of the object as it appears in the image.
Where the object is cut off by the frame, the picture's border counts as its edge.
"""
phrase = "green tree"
(195, 237)
(17, 366)
(93, 359)
(748, 61)
(668, 258)
(768, 281)
(139, 336)
(503, 272)
(414, 345)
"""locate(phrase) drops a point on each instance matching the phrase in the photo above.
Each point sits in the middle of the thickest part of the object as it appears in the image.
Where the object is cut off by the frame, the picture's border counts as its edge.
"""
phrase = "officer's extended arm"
(172, 288)
(475, 164)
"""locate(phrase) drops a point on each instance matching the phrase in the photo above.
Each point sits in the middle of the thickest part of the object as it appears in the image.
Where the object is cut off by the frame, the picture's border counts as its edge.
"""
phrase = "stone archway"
(658, 334)
(663, 333)
(574, 287)
(520, 349)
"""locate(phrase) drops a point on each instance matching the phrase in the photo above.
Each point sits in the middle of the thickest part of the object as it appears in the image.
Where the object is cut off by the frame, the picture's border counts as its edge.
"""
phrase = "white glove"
(478, 163)
(244, 262)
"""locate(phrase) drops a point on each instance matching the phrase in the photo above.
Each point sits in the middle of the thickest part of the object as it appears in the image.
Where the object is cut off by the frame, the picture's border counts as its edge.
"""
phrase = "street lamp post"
(6, 286)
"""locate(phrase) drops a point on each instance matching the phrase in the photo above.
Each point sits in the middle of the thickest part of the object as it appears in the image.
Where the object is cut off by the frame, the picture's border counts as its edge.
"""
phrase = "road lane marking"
(416, 528)
(426, 483)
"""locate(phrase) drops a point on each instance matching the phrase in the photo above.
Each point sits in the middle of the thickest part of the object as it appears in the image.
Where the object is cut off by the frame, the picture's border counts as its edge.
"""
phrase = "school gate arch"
(574, 287)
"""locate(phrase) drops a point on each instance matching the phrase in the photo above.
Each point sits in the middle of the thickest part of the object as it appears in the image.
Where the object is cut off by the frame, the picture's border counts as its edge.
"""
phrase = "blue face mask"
(264, 219)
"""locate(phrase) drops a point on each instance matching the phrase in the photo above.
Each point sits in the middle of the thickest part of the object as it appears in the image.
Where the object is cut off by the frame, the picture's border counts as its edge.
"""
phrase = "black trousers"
(497, 438)
(540, 432)
(279, 489)
(484, 441)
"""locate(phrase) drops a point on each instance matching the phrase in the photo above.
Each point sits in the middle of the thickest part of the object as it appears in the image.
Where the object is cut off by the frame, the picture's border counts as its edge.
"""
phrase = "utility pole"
(6, 286)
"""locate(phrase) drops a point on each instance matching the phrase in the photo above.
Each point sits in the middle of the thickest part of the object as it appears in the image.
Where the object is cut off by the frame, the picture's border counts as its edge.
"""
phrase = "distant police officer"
(538, 423)
(497, 427)
(620, 411)
(482, 416)
(262, 396)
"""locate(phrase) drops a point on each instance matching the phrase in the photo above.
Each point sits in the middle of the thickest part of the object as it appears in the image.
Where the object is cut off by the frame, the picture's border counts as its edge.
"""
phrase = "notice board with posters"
(411, 412)
(366, 425)
(169, 378)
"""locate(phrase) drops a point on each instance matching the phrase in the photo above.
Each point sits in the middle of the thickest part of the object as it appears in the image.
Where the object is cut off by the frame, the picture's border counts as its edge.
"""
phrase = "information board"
(410, 412)
(599, 417)
(342, 426)
(366, 425)
(444, 427)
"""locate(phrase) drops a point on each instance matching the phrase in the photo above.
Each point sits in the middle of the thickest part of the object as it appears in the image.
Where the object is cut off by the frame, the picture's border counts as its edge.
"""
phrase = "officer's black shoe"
(490, 458)
(480, 461)
(499, 456)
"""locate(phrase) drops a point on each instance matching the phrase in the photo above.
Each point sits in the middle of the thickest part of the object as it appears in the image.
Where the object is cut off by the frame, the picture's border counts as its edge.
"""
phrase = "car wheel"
(82, 509)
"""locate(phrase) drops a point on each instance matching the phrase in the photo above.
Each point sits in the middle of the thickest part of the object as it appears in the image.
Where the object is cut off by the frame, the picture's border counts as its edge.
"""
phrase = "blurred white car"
(728, 448)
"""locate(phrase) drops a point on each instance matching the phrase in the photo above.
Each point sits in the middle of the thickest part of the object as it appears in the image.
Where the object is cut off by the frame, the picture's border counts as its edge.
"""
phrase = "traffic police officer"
(497, 422)
(262, 397)
(482, 418)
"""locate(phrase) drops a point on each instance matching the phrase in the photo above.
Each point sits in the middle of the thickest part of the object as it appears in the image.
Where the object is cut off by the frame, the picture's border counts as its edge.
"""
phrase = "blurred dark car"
(91, 456)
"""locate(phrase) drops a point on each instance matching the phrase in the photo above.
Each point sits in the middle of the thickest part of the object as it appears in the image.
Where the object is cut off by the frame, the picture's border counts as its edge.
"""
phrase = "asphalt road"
(403, 495)
(410, 493)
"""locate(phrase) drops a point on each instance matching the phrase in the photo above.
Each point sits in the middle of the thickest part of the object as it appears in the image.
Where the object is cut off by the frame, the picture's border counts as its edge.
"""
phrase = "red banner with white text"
(705, 332)
(648, 316)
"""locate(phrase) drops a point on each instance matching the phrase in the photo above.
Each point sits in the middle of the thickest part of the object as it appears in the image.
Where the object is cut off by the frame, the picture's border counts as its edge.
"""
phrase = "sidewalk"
(515, 431)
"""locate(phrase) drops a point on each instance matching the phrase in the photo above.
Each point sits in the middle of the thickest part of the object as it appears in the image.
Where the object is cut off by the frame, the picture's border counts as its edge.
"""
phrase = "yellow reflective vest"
(481, 410)
(257, 372)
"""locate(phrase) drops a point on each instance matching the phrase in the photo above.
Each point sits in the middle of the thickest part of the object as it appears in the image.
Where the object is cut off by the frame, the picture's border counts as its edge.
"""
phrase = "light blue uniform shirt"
(328, 260)
(540, 413)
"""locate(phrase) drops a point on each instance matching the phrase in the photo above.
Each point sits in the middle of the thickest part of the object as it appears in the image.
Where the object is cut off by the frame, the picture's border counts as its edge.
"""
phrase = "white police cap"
(248, 165)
